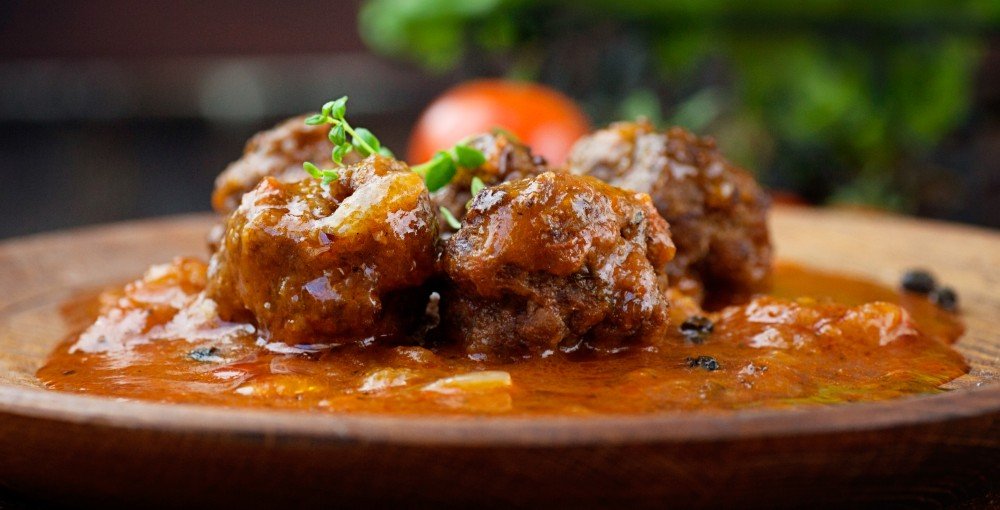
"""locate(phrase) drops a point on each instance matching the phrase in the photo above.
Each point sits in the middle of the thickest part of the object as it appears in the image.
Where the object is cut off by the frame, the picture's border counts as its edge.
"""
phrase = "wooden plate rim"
(503, 431)
(39, 404)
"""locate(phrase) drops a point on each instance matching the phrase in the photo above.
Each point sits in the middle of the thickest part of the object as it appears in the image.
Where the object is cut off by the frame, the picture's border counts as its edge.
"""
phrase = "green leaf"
(338, 153)
(316, 120)
(477, 186)
(467, 157)
(439, 171)
(450, 218)
(365, 142)
(386, 152)
(312, 169)
(329, 176)
(337, 135)
(338, 108)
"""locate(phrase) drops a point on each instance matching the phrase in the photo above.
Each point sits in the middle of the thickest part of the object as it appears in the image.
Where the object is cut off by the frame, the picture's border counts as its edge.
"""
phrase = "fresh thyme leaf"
(338, 108)
(329, 176)
(316, 120)
(450, 218)
(337, 135)
(437, 172)
(325, 175)
(337, 155)
(312, 169)
(365, 142)
(467, 157)
(477, 186)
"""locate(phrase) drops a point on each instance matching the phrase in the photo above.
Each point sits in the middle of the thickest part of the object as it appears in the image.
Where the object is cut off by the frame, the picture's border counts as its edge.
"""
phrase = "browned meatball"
(506, 160)
(278, 152)
(557, 261)
(717, 211)
(312, 265)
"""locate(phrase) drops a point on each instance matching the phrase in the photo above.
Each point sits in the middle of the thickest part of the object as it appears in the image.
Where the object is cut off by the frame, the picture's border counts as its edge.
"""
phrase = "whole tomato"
(540, 117)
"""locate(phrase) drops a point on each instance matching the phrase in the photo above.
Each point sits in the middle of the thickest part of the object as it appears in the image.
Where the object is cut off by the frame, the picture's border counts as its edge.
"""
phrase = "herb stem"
(421, 169)
(354, 135)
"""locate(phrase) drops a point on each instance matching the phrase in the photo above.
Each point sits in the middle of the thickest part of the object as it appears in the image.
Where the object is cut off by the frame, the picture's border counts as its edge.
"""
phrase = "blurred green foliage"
(836, 100)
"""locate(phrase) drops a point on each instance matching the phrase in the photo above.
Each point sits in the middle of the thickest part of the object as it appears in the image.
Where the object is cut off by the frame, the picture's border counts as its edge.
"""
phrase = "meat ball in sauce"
(506, 160)
(310, 264)
(717, 211)
(552, 262)
(278, 152)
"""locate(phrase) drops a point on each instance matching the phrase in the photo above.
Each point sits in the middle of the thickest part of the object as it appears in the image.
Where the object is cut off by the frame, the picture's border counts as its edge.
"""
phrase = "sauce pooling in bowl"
(816, 338)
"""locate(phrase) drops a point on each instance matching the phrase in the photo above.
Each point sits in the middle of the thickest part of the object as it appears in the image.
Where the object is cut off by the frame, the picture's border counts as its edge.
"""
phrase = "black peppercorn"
(945, 298)
(696, 328)
(919, 281)
(706, 362)
(205, 354)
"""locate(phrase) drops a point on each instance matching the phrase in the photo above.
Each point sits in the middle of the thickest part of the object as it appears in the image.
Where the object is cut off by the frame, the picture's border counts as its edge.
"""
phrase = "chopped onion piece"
(386, 378)
(472, 381)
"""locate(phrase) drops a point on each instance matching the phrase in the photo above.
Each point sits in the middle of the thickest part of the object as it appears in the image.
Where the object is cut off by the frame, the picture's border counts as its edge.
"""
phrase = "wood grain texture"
(922, 450)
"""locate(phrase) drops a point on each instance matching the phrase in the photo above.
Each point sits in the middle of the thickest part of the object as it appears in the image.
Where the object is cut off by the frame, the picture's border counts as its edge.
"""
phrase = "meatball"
(310, 263)
(717, 211)
(557, 261)
(506, 160)
(279, 152)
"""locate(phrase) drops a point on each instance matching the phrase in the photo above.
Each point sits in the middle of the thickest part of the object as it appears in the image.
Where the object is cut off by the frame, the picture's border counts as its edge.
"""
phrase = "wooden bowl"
(71, 448)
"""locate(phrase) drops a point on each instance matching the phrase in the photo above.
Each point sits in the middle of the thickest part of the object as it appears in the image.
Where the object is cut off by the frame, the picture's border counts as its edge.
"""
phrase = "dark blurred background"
(116, 109)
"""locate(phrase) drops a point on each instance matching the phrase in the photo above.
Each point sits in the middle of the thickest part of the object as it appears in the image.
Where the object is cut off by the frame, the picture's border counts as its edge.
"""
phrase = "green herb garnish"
(466, 156)
(477, 186)
(440, 170)
(437, 172)
(450, 218)
(327, 175)
(344, 137)
(361, 140)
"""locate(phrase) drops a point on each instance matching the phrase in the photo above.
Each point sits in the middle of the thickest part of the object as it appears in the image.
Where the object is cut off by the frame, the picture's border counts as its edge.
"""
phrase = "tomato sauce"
(816, 338)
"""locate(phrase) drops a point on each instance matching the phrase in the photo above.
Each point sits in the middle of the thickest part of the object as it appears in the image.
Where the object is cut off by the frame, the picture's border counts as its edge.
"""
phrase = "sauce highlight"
(816, 338)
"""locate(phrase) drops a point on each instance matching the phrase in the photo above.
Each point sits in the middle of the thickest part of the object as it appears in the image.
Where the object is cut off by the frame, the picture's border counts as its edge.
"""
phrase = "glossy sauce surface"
(814, 339)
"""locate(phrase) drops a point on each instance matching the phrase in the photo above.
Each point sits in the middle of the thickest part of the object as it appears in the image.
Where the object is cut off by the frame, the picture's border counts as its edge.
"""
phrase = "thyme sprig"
(437, 172)
(361, 140)
(344, 137)
(440, 169)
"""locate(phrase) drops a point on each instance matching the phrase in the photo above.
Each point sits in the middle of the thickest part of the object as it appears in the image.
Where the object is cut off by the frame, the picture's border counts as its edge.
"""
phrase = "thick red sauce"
(814, 339)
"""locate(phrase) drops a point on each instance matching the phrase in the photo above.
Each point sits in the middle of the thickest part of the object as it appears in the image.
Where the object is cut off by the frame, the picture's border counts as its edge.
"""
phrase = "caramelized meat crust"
(311, 265)
(278, 152)
(717, 211)
(506, 160)
(556, 261)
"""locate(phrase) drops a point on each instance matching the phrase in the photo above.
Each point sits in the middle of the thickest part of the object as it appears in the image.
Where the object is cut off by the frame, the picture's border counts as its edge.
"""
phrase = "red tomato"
(540, 117)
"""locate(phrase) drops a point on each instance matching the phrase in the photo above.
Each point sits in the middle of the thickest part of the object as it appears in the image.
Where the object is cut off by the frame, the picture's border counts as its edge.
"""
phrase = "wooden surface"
(917, 451)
